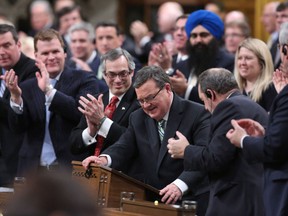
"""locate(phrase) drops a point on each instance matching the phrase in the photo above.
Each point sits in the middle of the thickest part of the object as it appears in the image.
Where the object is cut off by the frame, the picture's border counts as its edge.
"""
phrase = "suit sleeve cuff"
(241, 141)
(109, 160)
(181, 185)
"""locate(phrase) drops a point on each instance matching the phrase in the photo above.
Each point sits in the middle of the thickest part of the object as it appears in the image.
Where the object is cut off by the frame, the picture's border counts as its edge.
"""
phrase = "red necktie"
(109, 111)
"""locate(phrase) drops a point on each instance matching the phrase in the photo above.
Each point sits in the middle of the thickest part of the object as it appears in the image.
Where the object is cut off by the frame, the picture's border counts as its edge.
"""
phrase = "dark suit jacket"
(222, 59)
(127, 105)
(141, 139)
(9, 141)
(64, 116)
(94, 65)
(272, 150)
(236, 184)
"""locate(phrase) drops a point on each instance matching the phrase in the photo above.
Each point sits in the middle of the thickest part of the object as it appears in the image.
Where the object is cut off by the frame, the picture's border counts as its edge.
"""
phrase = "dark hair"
(219, 80)
(48, 35)
(114, 54)
(282, 6)
(109, 24)
(151, 72)
(66, 10)
(4, 28)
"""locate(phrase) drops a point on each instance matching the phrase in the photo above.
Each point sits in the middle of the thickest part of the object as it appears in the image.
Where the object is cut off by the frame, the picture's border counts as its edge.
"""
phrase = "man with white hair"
(41, 16)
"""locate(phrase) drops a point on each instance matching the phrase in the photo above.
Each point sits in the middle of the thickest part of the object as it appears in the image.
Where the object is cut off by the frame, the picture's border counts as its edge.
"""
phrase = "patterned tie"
(161, 128)
(109, 111)
(3, 85)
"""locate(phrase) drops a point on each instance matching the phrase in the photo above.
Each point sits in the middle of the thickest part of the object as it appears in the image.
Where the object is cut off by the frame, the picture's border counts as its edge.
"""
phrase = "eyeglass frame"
(121, 75)
(150, 98)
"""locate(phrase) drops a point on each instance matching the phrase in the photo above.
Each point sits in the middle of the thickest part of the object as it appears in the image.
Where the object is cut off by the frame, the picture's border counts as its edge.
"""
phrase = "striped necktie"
(161, 128)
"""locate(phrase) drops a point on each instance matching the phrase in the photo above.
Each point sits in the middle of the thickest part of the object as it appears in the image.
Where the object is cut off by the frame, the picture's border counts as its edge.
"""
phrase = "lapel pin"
(123, 108)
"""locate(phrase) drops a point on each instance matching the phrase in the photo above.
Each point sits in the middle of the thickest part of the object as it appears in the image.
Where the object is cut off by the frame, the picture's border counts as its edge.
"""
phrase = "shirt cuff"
(109, 160)
(87, 139)
(105, 127)
(181, 185)
(241, 141)
(16, 107)
(50, 97)
(144, 41)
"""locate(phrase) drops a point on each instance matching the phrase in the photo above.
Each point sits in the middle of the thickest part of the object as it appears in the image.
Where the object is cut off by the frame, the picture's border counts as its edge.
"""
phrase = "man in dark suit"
(24, 67)
(118, 68)
(235, 183)
(162, 114)
(270, 146)
(46, 113)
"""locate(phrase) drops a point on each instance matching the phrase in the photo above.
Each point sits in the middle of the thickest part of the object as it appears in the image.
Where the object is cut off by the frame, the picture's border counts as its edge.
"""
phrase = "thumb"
(235, 124)
(180, 135)
(179, 73)
(100, 98)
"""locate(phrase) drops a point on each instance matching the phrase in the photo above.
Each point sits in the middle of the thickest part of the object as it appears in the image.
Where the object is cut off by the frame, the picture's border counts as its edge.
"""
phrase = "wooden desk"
(107, 184)
(149, 208)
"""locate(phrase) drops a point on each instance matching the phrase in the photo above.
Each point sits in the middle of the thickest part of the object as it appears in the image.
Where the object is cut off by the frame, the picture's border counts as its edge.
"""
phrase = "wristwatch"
(169, 71)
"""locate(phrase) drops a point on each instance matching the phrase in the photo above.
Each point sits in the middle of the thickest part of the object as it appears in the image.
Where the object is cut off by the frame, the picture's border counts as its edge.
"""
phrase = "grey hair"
(219, 80)
(151, 72)
(283, 35)
(85, 26)
(114, 54)
(45, 3)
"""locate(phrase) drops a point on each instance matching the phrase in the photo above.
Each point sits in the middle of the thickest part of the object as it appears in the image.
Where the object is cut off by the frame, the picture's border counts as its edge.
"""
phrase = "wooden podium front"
(107, 184)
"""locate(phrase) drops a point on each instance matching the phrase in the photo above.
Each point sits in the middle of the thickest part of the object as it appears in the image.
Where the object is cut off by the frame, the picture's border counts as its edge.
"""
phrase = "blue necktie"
(48, 155)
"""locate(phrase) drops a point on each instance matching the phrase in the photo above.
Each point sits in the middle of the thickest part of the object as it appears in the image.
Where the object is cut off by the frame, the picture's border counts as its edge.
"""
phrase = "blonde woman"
(253, 71)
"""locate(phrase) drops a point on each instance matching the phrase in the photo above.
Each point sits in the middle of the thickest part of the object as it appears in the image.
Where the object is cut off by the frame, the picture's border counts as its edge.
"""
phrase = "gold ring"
(10, 83)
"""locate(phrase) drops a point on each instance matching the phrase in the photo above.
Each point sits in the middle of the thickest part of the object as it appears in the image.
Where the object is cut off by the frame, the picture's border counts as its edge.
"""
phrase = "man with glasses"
(97, 130)
(162, 116)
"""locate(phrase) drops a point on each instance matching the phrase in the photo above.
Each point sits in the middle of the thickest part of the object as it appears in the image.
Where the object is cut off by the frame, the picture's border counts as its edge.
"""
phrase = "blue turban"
(208, 20)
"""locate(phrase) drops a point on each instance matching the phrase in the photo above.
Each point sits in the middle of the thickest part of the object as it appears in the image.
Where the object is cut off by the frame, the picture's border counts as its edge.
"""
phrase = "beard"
(202, 56)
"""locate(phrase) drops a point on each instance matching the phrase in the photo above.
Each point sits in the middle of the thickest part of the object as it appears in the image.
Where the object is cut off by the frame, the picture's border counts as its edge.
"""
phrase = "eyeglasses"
(121, 75)
(201, 35)
(150, 98)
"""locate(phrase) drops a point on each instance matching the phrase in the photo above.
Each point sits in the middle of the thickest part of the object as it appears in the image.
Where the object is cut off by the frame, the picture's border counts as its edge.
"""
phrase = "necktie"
(109, 111)
(48, 155)
(161, 129)
(2, 86)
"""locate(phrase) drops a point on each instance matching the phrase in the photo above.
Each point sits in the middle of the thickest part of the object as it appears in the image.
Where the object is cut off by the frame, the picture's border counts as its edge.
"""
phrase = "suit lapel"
(174, 120)
(124, 105)
(153, 137)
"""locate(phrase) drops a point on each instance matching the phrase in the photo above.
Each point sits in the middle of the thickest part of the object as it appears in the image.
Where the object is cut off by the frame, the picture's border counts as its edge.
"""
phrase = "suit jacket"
(272, 150)
(141, 140)
(64, 115)
(10, 141)
(222, 59)
(94, 65)
(235, 183)
(127, 105)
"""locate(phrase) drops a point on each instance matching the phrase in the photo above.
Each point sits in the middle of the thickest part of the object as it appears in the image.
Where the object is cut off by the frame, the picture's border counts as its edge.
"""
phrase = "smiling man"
(45, 109)
(10, 57)
(99, 129)
(162, 114)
